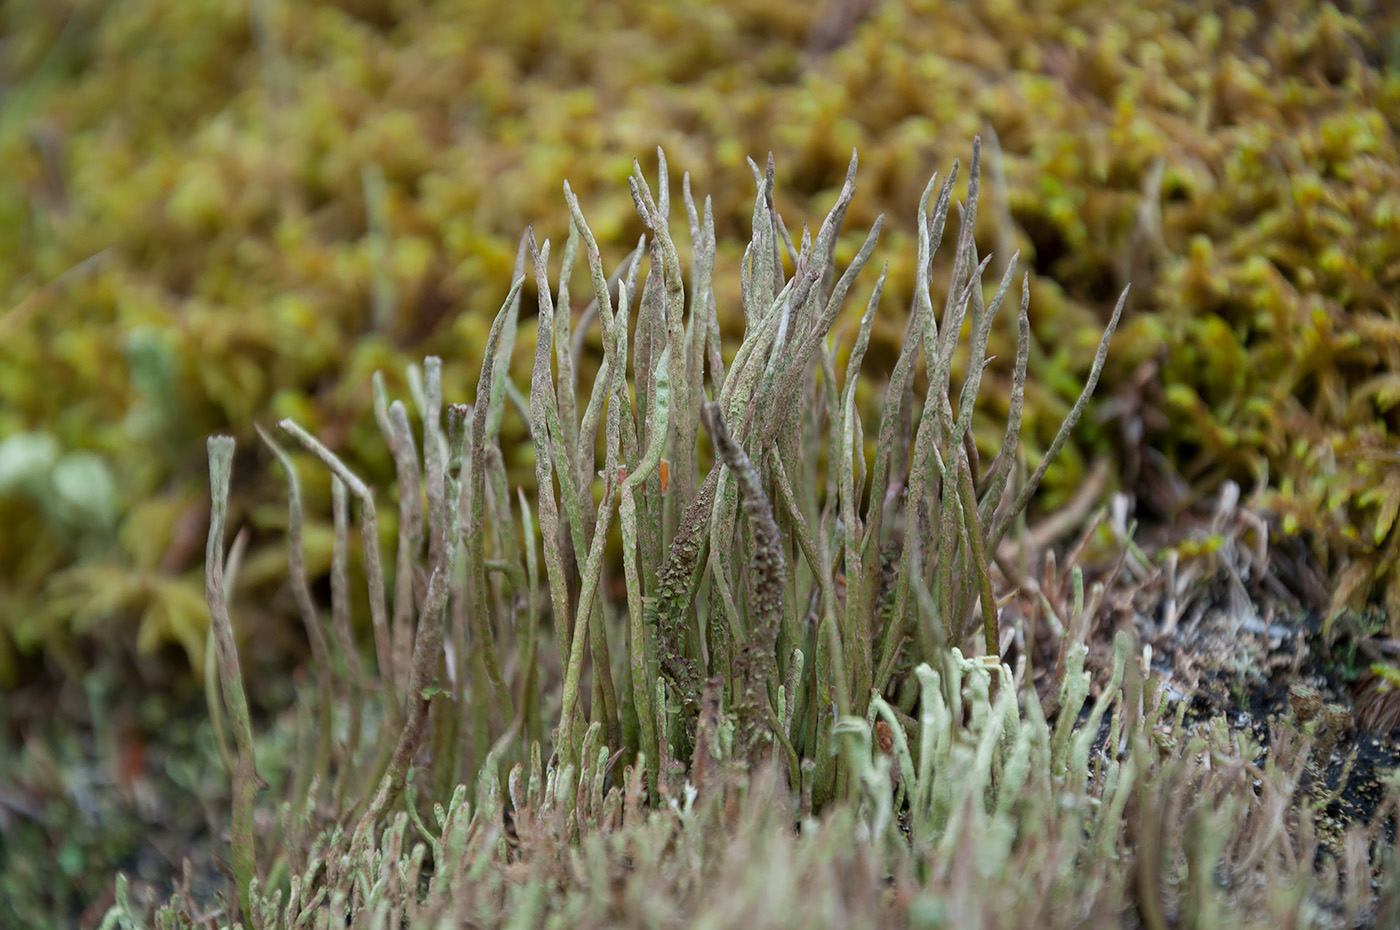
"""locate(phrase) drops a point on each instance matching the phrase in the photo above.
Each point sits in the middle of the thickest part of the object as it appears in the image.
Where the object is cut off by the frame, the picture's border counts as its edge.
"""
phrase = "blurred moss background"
(215, 212)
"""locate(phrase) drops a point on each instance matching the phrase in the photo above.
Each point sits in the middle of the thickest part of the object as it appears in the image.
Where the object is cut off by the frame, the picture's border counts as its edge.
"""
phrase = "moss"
(187, 190)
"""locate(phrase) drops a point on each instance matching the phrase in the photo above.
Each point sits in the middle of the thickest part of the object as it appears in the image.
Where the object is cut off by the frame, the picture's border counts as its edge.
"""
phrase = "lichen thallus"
(771, 588)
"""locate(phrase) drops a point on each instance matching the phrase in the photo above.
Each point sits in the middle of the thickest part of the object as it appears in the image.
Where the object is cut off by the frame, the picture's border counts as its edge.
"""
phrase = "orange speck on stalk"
(664, 468)
(884, 737)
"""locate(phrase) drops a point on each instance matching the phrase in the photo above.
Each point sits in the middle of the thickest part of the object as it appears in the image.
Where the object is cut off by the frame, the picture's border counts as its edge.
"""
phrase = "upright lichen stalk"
(245, 773)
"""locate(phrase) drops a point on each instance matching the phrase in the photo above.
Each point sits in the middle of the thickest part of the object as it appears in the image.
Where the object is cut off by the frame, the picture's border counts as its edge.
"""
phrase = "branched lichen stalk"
(768, 569)
(666, 612)
(1062, 436)
(427, 653)
(340, 623)
(541, 399)
(930, 236)
(657, 220)
(994, 481)
(483, 634)
(374, 569)
(408, 480)
(301, 593)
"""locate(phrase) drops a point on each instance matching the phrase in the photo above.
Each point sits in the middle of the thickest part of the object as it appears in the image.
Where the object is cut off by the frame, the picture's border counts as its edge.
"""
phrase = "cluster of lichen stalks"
(758, 609)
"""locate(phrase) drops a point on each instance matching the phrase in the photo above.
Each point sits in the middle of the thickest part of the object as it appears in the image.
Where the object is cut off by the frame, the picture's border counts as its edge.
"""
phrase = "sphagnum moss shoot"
(758, 646)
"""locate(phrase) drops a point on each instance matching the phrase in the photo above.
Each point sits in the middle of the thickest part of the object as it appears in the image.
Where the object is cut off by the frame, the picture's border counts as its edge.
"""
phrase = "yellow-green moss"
(185, 244)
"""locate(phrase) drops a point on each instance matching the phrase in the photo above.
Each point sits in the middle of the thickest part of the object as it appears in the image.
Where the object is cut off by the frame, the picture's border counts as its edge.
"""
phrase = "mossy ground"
(217, 213)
